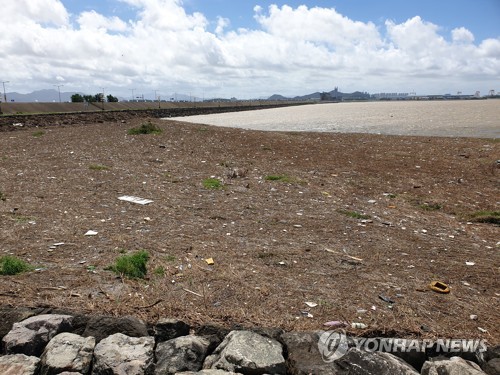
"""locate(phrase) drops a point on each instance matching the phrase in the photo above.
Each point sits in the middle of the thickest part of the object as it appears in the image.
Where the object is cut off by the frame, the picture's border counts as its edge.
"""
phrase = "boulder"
(120, 354)
(249, 353)
(100, 327)
(356, 361)
(9, 316)
(207, 372)
(303, 355)
(31, 335)
(185, 353)
(452, 366)
(67, 352)
(18, 364)
(492, 367)
(168, 329)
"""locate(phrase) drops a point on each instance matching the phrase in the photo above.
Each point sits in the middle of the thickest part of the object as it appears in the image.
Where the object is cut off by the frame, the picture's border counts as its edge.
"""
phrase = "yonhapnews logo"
(334, 345)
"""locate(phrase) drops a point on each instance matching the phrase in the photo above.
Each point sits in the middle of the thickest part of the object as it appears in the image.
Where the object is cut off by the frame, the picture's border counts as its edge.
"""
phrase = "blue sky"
(251, 48)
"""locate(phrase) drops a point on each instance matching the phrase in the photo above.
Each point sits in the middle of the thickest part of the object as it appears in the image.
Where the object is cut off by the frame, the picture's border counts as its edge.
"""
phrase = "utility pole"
(132, 93)
(103, 99)
(4, 94)
(59, 89)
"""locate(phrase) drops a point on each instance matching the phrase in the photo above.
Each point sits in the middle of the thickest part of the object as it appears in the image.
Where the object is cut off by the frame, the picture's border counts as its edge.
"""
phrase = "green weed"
(10, 265)
(489, 217)
(132, 266)
(430, 206)
(354, 214)
(146, 128)
(38, 133)
(212, 183)
(98, 167)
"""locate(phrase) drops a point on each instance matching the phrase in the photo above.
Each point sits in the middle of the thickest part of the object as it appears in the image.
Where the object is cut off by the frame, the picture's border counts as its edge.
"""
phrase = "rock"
(168, 329)
(67, 352)
(452, 366)
(18, 364)
(207, 372)
(185, 353)
(104, 326)
(121, 354)
(303, 354)
(9, 316)
(247, 352)
(492, 367)
(415, 357)
(31, 335)
(356, 361)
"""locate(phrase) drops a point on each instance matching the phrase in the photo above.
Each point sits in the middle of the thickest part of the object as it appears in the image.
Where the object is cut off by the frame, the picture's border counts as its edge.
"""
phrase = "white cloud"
(293, 51)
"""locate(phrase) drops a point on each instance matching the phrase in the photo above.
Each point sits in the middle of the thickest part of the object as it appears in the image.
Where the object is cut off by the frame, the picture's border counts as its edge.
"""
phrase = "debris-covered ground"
(341, 221)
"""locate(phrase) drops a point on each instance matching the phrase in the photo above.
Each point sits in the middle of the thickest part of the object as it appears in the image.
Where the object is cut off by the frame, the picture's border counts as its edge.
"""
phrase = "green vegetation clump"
(430, 206)
(10, 265)
(355, 215)
(98, 167)
(212, 183)
(38, 133)
(132, 266)
(283, 178)
(489, 217)
(146, 128)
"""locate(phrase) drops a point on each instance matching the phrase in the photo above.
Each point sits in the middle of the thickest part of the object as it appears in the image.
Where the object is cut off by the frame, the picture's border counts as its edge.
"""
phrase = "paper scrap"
(138, 200)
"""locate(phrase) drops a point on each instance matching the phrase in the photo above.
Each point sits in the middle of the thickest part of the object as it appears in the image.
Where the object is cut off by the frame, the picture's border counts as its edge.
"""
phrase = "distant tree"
(99, 97)
(77, 98)
(89, 98)
(112, 99)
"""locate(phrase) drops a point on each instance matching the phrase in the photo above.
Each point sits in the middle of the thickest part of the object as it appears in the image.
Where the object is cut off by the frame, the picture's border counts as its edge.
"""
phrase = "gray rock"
(9, 316)
(104, 326)
(207, 372)
(360, 362)
(18, 364)
(31, 335)
(123, 355)
(168, 329)
(414, 355)
(492, 367)
(452, 366)
(67, 352)
(247, 353)
(185, 353)
(303, 355)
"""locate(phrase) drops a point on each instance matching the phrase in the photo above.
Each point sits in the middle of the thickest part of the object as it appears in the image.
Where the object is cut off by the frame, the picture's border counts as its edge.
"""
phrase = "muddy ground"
(352, 217)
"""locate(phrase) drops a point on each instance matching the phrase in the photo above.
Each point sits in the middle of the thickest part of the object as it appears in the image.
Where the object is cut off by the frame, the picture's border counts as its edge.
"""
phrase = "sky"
(249, 48)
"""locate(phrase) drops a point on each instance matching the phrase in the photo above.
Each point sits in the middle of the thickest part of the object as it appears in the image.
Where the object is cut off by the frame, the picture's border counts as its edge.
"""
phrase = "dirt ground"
(354, 217)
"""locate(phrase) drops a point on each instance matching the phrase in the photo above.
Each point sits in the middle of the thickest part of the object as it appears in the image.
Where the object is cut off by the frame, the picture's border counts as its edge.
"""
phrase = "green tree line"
(97, 98)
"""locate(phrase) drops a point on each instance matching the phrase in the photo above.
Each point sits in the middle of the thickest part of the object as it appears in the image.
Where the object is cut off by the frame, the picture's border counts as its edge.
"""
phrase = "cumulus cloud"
(291, 51)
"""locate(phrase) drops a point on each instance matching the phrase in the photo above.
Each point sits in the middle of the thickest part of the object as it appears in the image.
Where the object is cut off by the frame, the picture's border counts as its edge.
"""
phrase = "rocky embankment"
(45, 342)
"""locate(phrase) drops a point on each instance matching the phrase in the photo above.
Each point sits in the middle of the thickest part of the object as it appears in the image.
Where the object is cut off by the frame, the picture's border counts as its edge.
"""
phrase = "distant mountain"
(43, 96)
(333, 95)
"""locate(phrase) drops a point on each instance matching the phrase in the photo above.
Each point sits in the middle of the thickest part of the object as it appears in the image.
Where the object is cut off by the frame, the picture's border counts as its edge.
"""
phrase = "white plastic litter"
(138, 200)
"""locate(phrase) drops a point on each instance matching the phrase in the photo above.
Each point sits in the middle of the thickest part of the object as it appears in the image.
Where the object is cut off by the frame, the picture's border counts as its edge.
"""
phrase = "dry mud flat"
(334, 219)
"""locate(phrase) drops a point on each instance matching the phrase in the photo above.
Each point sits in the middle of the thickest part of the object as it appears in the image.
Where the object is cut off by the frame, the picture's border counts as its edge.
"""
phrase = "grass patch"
(159, 271)
(170, 258)
(10, 265)
(38, 133)
(355, 214)
(146, 128)
(283, 178)
(489, 217)
(212, 183)
(98, 167)
(430, 206)
(132, 266)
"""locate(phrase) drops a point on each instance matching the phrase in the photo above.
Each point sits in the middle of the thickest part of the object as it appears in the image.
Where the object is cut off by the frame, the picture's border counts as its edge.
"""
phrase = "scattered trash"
(386, 299)
(190, 291)
(473, 317)
(482, 330)
(91, 233)
(282, 263)
(307, 314)
(470, 263)
(210, 261)
(372, 201)
(361, 311)
(465, 283)
(311, 304)
(336, 324)
(138, 200)
(17, 124)
(439, 287)
(58, 244)
(374, 308)
(359, 325)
